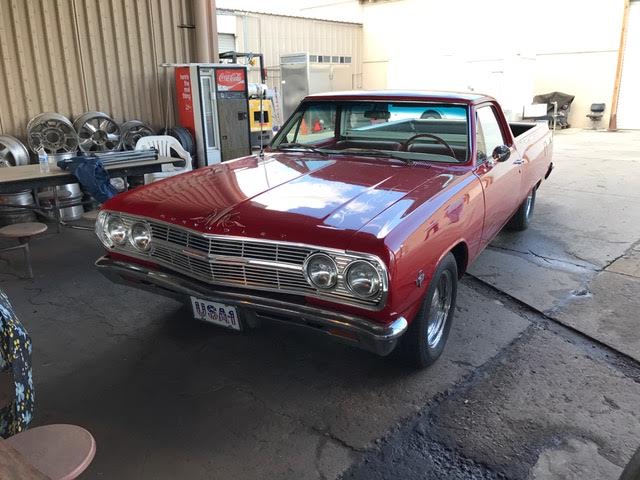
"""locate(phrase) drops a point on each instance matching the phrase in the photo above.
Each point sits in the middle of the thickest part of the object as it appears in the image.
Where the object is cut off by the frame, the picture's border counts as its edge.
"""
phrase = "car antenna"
(263, 92)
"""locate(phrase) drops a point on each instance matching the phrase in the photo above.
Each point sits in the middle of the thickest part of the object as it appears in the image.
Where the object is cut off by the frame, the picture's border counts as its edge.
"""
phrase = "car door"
(498, 167)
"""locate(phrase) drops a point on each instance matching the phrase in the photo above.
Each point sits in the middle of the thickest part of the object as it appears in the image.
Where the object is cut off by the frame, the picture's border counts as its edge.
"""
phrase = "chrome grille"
(243, 262)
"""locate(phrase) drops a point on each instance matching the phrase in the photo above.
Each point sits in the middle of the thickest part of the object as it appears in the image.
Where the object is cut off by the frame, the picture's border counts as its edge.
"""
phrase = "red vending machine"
(213, 104)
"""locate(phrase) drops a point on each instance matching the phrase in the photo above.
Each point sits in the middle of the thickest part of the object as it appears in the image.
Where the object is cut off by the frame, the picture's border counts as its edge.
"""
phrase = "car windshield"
(412, 131)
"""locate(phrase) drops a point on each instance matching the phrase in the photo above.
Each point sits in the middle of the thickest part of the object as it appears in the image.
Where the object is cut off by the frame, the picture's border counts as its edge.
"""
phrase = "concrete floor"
(516, 394)
(580, 257)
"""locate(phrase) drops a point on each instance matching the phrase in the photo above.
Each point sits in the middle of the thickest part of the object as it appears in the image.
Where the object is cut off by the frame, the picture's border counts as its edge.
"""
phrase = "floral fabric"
(15, 357)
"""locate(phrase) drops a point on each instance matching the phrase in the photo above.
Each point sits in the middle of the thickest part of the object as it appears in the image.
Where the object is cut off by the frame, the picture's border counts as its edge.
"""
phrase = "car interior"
(432, 132)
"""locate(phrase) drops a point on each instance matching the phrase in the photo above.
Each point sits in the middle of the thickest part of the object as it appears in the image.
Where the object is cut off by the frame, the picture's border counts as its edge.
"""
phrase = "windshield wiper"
(371, 153)
(300, 146)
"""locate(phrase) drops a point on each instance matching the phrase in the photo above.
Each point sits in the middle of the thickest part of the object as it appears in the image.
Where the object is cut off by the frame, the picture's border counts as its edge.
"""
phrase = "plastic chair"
(164, 144)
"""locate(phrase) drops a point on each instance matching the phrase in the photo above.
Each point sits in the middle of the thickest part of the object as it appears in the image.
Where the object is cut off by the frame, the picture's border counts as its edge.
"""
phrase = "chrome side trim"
(363, 333)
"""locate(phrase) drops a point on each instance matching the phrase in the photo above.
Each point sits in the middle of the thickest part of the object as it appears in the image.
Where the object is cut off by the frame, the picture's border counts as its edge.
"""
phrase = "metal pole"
(262, 94)
(613, 116)
(56, 209)
(206, 31)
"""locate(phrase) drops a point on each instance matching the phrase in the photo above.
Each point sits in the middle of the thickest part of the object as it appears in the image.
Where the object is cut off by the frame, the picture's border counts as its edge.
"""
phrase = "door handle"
(519, 161)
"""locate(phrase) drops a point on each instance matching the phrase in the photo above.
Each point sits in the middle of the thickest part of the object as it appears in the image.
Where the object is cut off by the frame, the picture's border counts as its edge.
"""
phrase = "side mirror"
(501, 153)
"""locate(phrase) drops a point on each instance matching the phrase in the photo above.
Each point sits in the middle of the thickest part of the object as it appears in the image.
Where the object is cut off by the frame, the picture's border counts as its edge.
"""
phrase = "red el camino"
(357, 222)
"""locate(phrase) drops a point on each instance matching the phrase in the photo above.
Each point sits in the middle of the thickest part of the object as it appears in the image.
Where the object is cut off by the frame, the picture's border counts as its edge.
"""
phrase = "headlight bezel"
(307, 275)
(104, 230)
(100, 228)
(375, 269)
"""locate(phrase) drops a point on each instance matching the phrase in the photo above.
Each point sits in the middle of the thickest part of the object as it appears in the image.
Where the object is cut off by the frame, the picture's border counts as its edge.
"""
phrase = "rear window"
(399, 122)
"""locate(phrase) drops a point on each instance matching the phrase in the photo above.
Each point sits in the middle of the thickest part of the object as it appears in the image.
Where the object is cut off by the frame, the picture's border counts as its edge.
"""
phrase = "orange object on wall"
(303, 128)
(316, 126)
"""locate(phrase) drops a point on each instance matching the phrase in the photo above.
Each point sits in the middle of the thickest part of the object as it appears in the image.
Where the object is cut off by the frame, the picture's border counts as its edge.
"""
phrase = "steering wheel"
(441, 141)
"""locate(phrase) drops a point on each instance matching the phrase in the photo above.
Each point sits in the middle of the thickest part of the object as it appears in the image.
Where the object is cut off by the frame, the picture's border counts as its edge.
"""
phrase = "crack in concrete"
(615, 259)
(326, 432)
(322, 441)
(549, 260)
(614, 357)
(439, 450)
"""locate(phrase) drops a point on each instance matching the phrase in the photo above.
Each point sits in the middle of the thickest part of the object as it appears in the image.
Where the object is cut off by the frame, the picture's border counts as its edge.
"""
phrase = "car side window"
(488, 133)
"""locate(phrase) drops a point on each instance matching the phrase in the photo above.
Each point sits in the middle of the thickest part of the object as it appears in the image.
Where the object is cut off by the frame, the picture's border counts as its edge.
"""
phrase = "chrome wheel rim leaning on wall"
(53, 132)
(132, 131)
(439, 309)
(12, 152)
(97, 132)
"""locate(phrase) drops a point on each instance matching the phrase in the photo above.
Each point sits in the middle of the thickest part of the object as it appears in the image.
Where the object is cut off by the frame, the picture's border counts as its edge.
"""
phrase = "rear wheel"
(427, 335)
(521, 219)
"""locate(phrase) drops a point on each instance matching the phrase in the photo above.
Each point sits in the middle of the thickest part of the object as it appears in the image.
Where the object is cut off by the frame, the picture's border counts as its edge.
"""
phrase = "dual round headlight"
(361, 277)
(113, 231)
(116, 231)
(321, 271)
(140, 236)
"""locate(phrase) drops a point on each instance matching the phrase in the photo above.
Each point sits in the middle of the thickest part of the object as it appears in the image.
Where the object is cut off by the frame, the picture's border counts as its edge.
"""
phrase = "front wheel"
(427, 335)
(521, 219)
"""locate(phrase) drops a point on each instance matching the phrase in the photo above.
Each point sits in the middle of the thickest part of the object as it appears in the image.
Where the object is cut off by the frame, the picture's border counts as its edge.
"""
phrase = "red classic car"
(357, 222)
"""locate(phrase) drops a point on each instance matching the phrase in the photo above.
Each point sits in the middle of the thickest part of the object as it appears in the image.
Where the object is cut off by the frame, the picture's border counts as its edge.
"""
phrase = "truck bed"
(520, 128)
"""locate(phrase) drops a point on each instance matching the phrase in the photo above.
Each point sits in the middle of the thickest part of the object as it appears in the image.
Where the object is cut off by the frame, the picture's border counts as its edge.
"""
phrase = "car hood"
(287, 196)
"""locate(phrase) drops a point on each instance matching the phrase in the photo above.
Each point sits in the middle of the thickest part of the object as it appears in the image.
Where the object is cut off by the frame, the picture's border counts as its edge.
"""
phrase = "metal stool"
(23, 232)
(61, 452)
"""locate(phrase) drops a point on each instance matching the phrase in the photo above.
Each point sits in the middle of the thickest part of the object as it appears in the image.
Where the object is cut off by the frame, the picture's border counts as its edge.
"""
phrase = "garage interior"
(541, 376)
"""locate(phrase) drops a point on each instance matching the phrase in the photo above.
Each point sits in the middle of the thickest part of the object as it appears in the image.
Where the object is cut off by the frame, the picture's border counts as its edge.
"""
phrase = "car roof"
(402, 95)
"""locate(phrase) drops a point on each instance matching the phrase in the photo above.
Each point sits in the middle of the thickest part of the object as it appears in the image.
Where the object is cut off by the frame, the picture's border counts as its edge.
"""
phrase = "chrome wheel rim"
(97, 132)
(439, 309)
(52, 132)
(528, 204)
(12, 152)
(132, 131)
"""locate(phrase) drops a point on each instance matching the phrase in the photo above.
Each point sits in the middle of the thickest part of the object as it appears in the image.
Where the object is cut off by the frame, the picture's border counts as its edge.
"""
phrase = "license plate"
(216, 313)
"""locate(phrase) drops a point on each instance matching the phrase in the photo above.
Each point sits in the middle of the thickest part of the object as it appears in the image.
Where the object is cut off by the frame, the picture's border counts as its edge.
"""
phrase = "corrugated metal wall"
(71, 56)
(276, 35)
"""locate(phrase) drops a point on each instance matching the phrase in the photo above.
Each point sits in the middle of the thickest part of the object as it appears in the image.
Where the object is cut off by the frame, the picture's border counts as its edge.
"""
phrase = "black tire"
(417, 347)
(183, 136)
(521, 219)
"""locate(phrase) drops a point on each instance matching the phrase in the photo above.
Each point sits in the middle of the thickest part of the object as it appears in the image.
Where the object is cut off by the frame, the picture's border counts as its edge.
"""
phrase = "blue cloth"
(93, 177)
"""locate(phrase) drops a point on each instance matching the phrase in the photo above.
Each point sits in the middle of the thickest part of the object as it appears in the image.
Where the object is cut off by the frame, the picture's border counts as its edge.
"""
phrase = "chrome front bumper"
(371, 336)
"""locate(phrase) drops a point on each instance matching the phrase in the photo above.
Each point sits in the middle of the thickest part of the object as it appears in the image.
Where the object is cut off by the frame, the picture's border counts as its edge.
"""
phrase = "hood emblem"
(420, 278)
(225, 219)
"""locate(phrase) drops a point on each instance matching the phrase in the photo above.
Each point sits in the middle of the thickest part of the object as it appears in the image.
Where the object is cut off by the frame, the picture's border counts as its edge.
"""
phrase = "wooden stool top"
(91, 215)
(23, 230)
(58, 451)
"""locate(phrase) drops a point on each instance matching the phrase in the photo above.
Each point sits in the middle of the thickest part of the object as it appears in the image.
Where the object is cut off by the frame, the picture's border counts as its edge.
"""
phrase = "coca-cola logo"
(230, 80)
(230, 77)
